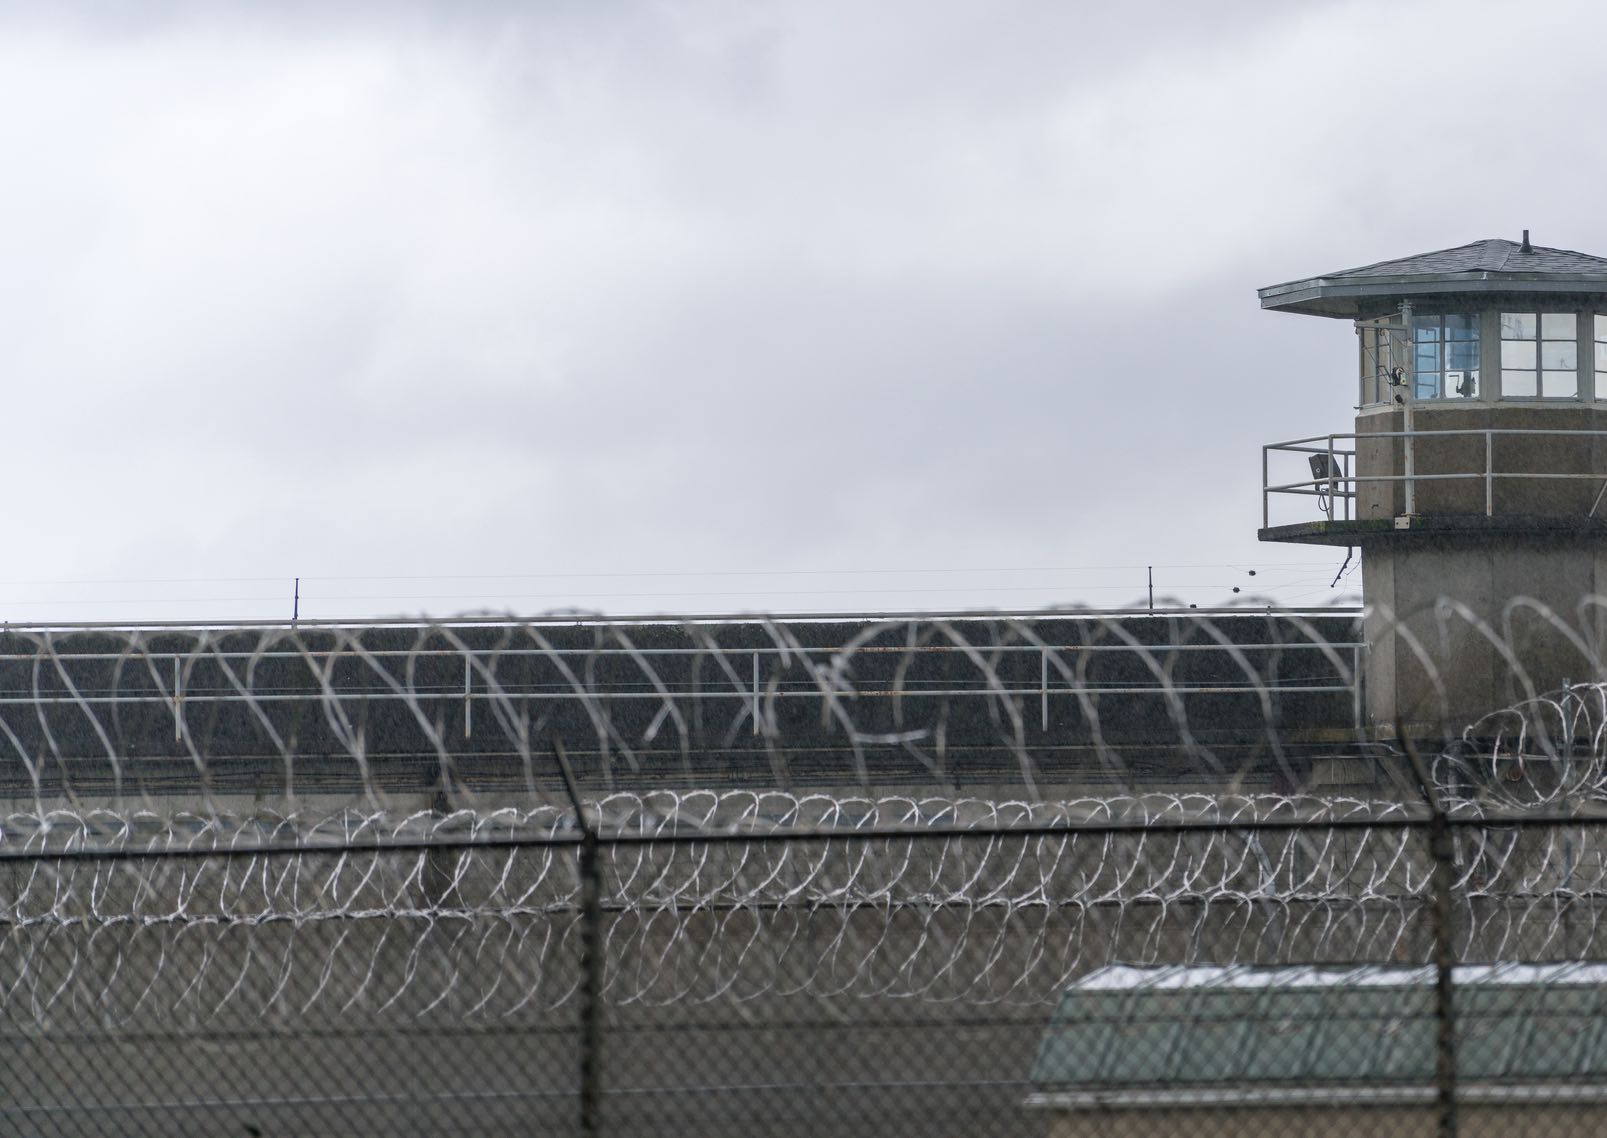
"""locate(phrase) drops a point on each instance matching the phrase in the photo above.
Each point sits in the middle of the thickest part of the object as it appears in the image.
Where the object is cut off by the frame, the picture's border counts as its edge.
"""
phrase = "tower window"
(1601, 356)
(1445, 356)
(1384, 358)
(1539, 355)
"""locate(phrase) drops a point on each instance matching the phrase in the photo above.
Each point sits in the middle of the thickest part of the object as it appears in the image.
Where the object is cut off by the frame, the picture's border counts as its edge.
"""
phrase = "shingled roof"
(1494, 255)
(1494, 265)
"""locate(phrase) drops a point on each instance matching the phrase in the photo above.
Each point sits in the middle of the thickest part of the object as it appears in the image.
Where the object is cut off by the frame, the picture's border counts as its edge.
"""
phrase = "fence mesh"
(1051, 874)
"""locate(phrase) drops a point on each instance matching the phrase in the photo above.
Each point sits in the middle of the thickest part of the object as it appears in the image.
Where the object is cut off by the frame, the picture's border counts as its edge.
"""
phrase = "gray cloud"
(364, 290)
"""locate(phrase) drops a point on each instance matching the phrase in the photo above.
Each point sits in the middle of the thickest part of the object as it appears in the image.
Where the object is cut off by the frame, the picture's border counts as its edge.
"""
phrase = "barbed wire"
(958, 909)
(469, 709)
(909, 809)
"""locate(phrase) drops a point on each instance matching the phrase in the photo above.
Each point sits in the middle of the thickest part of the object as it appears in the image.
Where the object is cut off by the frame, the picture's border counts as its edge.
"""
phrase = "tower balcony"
(1543, 470)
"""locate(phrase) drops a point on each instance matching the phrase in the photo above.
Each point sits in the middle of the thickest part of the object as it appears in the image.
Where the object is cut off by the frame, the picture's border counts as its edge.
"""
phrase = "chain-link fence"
(1027, 979)
(454, 880)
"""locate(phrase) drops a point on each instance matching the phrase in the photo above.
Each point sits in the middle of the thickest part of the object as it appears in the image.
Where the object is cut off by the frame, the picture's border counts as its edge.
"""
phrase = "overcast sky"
(719, 306)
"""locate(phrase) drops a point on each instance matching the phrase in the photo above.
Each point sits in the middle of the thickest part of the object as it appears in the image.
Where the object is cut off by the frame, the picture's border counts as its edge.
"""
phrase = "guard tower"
(1474, 481)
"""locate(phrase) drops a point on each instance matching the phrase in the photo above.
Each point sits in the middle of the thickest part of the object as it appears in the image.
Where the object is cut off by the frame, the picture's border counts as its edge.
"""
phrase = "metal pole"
(1266, 514)
(1333, 473)
(1043, 687)
(590, 1011)
(1358, 692)
(1151, 569)
(1406, 419)
(1442, 850)
(1489, 474)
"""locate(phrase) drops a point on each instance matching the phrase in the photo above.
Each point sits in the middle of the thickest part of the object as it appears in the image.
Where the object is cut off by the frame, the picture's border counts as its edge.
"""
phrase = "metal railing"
(82, 712)
(1039, 653)
(1334, 484)
(1335, 478)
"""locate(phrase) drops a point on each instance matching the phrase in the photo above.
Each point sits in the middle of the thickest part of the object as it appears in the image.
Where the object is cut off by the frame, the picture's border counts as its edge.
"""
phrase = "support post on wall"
(178, 702)
(590, 1010)
(1443, 852)
(1358, 689)
(1043, 689)
(1409, 449)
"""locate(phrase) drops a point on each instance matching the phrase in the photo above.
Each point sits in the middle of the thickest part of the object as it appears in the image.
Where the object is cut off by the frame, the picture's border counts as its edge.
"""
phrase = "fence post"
(591, 956)
(1443, 851)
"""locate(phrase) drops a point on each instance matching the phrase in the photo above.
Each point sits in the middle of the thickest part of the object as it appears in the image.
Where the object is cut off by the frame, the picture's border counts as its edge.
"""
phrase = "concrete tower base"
(1468, 615)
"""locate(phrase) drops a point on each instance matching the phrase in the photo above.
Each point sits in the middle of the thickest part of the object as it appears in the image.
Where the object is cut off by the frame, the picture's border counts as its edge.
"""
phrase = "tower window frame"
(1445, 359)
(1540, 355)
(1384, 352)
(1599, 355)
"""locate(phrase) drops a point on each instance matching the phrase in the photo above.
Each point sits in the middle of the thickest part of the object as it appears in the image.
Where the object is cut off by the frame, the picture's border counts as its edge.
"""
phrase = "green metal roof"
(1184, 1031)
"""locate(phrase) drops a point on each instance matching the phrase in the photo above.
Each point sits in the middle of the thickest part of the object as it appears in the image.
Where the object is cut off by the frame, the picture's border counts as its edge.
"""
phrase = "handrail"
(1340, 482)
(1434, 434)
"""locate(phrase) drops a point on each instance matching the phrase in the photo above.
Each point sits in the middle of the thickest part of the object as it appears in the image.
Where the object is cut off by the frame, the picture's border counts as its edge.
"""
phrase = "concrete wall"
(1509, 456)
(1458, 671)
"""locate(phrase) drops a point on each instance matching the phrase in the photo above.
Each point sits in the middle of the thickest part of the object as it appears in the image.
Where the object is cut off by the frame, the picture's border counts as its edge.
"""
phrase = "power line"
(1128, 587)
(642, 573)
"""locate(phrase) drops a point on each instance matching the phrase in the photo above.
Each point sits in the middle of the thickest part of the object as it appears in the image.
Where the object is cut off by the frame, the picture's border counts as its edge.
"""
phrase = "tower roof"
(1491, 266)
